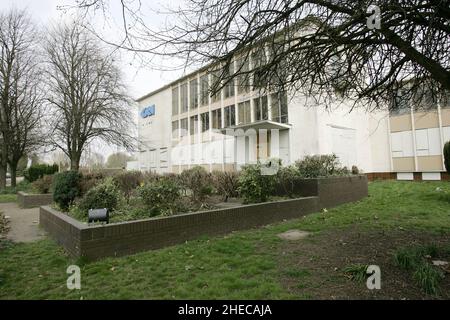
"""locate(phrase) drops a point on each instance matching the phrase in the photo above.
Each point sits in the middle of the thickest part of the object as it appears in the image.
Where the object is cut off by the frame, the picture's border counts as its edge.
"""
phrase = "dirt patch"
(313, 268)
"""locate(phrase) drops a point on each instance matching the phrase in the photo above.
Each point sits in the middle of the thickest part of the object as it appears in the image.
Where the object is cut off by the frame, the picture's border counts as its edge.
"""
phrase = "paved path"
(23, 223)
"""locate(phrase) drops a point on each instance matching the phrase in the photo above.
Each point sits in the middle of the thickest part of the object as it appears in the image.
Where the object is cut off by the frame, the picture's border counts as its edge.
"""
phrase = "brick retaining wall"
(29, 200)
(94, 242)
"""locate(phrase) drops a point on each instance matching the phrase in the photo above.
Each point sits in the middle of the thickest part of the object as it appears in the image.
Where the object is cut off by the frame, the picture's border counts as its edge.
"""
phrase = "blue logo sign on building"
(148, 111)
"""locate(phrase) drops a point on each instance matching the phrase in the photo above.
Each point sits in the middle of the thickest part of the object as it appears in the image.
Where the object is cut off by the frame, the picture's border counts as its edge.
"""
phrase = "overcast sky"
(140, 79)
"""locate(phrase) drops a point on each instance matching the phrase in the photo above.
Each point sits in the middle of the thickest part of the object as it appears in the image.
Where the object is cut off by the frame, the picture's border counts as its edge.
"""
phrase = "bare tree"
(86, 94)
(20, 107)
(310, 46)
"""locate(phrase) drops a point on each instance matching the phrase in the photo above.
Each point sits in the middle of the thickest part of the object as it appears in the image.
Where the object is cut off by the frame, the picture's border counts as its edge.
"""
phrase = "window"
(244, 112)
(258, 61)
(261, 108)
(279, 107)
(216, 120)
(445, 99)
(193, 94)
(175, 100)
(184, 127)
(229, 87)
(152, 157)
(259, 58)
(229, 114)
(428, 142)
(425, 100)
(402, 144)
(194, 125)
(204, 90)
(401, 103)
(243, 78)
(175, 131)
(215, 85)
(163, 158)
(205, 121)
(184, 97)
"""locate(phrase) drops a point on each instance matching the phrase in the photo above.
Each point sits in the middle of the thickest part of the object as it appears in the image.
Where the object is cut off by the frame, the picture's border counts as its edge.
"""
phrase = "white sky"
(139, 79)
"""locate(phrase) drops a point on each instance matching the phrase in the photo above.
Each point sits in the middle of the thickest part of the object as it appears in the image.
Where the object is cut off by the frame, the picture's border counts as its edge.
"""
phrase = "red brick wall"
(27, 200)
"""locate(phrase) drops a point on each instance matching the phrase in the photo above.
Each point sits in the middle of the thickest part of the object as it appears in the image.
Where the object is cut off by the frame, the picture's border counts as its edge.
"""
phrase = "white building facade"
(180, 125)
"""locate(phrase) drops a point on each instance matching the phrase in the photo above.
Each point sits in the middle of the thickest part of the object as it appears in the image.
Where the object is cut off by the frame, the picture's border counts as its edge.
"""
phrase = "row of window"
(428, 142)
(153, 156)
(278, 110)
(422, 101)
(180, 103)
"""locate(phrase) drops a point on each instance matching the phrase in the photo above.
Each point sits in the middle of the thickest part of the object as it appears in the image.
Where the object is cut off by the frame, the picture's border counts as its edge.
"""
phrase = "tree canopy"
(317, 47)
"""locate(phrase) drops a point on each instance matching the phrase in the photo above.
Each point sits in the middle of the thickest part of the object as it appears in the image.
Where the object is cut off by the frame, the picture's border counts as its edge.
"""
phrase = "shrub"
(320, 166)
(447, 156)
(104, 195)
(253, 186)
(66, 188)
(198, 181)
(226, 183)
(44, 184)
(161, 196)
(128, 181)
(37, 171)
(150, 177)
(287, 178)
(89, 181)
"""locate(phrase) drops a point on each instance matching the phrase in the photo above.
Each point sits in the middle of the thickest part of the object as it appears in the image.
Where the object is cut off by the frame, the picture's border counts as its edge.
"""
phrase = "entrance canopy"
(258, 125)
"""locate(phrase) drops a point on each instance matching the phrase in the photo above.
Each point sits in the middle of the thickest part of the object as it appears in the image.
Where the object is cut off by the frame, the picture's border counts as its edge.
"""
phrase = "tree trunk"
(13, 169)
(2, 177)
(75, 163)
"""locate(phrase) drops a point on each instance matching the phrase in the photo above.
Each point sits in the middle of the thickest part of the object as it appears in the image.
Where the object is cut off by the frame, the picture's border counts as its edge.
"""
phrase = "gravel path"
(23, 223)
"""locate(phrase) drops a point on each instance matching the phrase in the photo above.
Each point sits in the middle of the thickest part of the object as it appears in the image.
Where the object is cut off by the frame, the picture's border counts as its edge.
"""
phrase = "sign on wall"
(148, 111)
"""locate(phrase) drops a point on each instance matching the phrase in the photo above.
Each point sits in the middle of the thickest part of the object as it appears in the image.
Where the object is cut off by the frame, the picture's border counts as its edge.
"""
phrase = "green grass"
(357, 272)
(414, 258)
(242, 265)
(428, 277)
(8, 198)
(9, 194)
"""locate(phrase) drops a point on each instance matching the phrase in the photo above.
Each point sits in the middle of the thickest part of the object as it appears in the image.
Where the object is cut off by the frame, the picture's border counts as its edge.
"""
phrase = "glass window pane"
(175, 131)
(193, 125)
(184, 97)
(193, 94)
(205, 121)
(183, 127)
(215, 85)
(204, 90)
(175, 100)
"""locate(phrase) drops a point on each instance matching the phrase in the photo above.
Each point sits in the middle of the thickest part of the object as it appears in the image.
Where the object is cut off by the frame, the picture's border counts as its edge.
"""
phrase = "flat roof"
(175, 81)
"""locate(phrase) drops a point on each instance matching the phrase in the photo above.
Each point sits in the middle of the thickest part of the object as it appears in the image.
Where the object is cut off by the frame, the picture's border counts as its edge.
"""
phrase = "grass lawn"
(8, 198)
(9, 194)
(256, 264)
